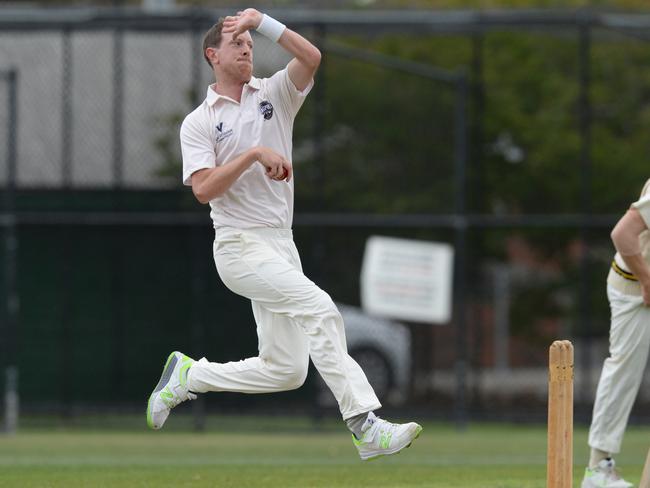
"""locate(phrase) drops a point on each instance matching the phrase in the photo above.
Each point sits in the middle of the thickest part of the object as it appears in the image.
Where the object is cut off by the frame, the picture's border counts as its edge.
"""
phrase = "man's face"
(235, 56)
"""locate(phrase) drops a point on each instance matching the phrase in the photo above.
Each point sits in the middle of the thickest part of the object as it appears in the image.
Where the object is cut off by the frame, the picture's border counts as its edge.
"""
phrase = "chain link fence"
(521, 147)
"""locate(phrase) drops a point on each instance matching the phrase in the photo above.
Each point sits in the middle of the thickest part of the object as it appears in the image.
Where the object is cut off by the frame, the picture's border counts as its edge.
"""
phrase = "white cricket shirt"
(614, 279)
(221, 129)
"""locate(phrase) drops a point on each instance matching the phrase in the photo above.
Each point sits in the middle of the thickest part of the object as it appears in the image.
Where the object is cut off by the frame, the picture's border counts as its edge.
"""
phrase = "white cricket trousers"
(295, 320)
(629, 343)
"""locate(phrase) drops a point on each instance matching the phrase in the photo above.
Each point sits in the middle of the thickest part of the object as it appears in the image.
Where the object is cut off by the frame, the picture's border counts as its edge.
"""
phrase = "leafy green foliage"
(386, 138)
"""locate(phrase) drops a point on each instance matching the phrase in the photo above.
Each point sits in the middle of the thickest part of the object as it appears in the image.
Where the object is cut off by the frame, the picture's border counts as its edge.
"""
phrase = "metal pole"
(585, 203)
(118, 325)
(318, 251)
(67, 171)
(318, 127)
(66, 113)
(199, 299)
(502, 301)
(478, 92)
(460, 166)
(197, 58)
(318, 131)
(477, 198)
(118, 108)
(11, 252)
(198, 274)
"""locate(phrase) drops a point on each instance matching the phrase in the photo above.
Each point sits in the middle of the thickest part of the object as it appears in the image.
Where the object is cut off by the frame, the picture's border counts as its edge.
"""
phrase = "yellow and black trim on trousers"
(622, 272)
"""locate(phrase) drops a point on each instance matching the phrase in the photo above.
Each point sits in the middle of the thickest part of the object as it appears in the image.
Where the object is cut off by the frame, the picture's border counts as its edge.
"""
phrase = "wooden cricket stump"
(645, 477)
(560, 415)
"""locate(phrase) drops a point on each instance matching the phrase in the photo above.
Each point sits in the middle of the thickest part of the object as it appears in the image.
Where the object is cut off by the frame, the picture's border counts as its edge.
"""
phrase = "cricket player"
(628, 290)
(237, 157)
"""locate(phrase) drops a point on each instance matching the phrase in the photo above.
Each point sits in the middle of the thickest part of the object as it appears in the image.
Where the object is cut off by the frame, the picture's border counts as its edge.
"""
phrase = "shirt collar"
(254, 83)
(212, 97)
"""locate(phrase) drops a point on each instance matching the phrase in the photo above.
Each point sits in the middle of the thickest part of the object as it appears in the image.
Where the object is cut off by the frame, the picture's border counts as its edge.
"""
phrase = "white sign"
(407, 279)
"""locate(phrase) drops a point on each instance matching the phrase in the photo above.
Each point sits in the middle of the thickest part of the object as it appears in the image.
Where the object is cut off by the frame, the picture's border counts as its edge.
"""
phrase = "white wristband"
(271, 28)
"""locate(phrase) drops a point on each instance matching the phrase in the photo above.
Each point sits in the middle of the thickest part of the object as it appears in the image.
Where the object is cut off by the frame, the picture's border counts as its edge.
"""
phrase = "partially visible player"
(237, 157)
(628, 290)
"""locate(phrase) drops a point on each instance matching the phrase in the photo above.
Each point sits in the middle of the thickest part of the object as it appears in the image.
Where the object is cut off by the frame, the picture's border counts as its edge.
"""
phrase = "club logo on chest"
(267, 109)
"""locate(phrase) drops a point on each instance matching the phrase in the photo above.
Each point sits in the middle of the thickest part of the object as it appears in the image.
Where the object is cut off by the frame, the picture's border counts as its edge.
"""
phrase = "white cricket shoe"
(604, 475)
(170, 390)
(380, 438)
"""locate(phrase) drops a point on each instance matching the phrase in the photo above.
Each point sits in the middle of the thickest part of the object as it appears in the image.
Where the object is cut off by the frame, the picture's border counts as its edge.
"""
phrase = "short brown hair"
(212, 38)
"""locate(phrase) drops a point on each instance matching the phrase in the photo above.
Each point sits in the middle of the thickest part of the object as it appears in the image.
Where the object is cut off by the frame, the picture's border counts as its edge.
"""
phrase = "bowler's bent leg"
(267, 271)
(282, 363)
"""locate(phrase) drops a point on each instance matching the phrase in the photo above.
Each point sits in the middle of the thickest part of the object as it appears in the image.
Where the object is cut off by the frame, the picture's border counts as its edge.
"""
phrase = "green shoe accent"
(185, 367)
(384, 440)
(149, 419)
(167, 396)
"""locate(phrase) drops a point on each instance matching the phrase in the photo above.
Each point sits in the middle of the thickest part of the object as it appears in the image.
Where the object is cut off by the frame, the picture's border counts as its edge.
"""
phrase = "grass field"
(239, 455)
